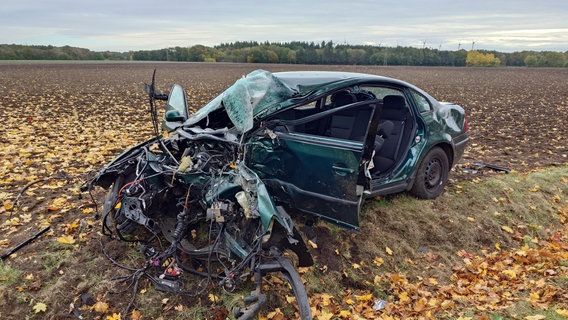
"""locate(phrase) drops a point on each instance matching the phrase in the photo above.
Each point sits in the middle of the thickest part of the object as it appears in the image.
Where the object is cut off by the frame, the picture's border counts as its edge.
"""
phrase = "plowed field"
(61, 120)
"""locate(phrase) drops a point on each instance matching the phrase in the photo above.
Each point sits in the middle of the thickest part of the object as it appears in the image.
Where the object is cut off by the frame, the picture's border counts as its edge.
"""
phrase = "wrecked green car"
(221, 186)
(322, 142)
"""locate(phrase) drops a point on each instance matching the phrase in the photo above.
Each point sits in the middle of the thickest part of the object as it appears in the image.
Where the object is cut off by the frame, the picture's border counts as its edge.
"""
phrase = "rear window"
(422, 103)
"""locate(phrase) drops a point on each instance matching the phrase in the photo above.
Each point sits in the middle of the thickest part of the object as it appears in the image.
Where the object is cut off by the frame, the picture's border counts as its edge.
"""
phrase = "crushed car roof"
(245, 98)
(305, 81)
(260, 89)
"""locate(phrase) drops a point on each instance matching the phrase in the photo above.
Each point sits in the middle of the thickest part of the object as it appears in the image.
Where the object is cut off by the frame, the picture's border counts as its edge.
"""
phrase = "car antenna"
(153, 94)
(151, 90)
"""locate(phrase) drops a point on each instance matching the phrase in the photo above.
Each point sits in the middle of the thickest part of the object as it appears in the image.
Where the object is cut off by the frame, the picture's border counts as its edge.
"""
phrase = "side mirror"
(176, 109)
(177, 102)
(174, 116)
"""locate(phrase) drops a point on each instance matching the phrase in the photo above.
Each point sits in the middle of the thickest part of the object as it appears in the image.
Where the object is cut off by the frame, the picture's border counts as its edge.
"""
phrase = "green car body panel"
(323, 175)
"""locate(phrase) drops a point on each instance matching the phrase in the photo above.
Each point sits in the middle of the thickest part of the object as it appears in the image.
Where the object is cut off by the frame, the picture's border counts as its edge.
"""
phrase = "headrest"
(342, 98)
(364, 96)
(393, 102)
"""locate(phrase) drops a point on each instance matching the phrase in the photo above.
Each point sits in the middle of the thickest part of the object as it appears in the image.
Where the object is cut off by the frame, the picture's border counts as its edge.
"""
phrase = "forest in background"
(324, 53)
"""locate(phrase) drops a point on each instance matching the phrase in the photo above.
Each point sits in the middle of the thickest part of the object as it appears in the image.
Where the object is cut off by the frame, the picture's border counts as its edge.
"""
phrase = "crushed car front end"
(194, 190)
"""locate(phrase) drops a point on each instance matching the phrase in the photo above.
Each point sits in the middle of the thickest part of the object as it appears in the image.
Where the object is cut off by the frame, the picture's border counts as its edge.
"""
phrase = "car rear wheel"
(432, 175)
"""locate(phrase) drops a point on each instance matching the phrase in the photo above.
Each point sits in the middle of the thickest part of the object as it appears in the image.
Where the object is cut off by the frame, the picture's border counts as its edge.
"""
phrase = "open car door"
(317, 163)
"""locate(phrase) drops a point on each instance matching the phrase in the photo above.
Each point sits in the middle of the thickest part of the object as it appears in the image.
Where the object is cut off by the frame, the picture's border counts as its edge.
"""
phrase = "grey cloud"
(144, 24)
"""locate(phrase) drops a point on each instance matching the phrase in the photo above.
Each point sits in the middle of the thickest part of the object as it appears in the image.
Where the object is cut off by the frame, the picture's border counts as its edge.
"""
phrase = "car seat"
(392, 123)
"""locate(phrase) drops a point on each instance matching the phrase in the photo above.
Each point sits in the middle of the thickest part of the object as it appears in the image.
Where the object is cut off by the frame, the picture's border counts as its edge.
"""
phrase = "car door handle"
(340, 169)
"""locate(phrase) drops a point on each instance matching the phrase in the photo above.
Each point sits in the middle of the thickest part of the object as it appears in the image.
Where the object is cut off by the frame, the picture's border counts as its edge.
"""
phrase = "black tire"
(432, 175)
(299, 290)
(114, 221)
(284, 266)
(110, 201)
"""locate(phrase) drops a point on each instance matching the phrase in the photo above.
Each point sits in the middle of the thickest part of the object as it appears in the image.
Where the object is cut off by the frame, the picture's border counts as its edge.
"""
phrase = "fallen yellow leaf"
(433, 302)
(68, 239)
(213, 298)
(347, 313)
(403, 297)
(507, 229)
(8, 205)
(72, 226)
(312, 244)
(40, 307)
(510, 273)
(420, 305)
(562, 312)
(446, 304)
(88, 210)
(365, 297)
(57, 204)
(535, 317)
(100, 307)
(378, 261)
(388, 250)
(274, 313)
(302, 270)
(326, 299)
(115, 316)
(325, 315)
(136, 315)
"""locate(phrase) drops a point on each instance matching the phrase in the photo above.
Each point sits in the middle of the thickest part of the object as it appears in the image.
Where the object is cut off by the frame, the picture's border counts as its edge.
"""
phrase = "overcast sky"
(504, 25)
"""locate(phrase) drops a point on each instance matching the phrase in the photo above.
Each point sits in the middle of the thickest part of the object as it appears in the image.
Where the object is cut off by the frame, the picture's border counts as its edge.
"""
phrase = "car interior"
(391, 133)
(351, 123)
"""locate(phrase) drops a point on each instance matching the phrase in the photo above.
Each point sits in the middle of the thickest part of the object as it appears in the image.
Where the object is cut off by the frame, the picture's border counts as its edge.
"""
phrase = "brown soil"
(62, 120)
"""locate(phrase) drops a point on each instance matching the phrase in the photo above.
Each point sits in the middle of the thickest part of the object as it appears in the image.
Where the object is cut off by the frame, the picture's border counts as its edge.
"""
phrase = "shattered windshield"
(247, 97)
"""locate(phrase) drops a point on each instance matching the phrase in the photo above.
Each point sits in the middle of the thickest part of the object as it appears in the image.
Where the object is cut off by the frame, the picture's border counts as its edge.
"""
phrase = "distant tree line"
(21, 52)
(297, 52)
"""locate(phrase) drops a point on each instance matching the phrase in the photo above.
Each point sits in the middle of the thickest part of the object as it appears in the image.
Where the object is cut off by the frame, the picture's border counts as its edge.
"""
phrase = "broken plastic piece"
(88, 299)
(185, 164)
(25, 243)
(166, 285)
(75, 311)
(491, 166)
(379, 305)
(243, 201)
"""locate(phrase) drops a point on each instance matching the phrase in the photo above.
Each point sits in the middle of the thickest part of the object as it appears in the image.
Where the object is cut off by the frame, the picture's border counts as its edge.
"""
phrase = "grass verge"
(424, 243)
